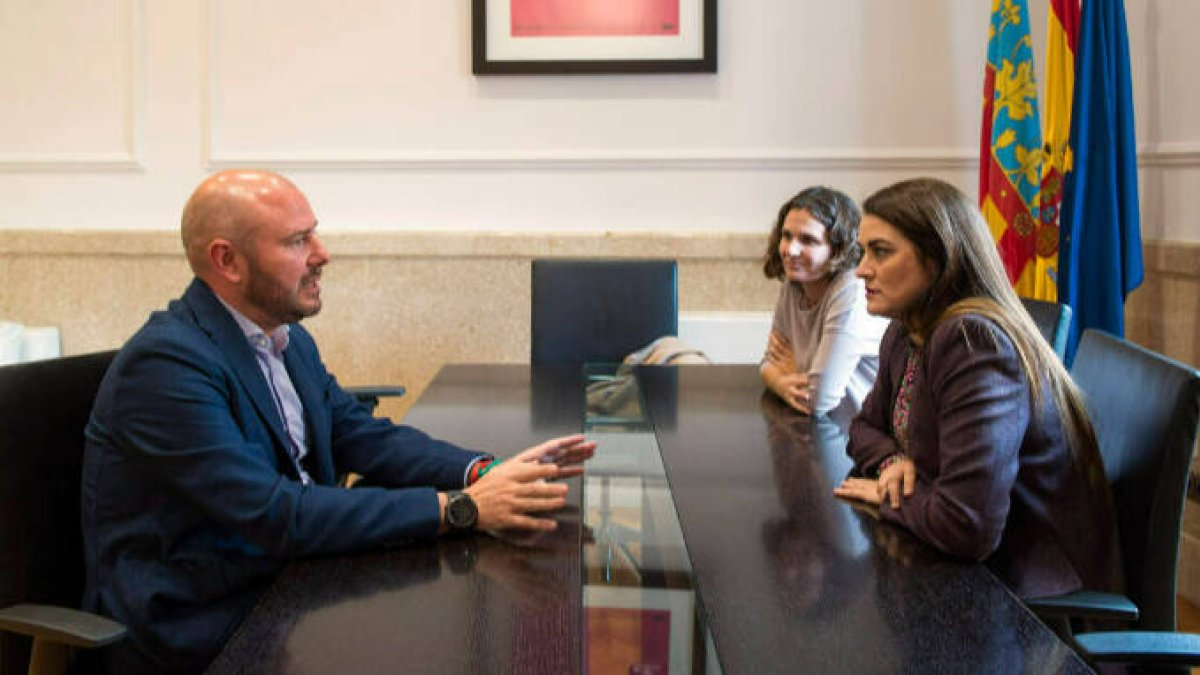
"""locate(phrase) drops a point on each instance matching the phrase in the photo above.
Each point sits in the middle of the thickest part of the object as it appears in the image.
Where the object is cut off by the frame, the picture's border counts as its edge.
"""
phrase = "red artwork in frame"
(564, 18)
(529, 37)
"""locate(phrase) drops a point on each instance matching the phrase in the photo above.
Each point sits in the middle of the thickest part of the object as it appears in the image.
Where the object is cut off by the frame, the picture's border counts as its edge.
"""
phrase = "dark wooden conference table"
(703, 538)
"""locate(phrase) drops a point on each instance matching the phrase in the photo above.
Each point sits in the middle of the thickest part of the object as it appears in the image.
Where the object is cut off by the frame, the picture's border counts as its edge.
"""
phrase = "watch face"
(461, 512)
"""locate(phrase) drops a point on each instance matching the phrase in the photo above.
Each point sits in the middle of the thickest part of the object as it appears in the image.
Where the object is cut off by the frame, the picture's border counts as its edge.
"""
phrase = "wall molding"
(833, 159)
(928, 160)
(1174, 258)
(206, 88)
(409, 244)
(1169, 155)
(131, 158)
(70, 161)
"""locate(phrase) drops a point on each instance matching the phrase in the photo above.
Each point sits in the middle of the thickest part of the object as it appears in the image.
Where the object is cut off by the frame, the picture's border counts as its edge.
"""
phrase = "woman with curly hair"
(822, 352)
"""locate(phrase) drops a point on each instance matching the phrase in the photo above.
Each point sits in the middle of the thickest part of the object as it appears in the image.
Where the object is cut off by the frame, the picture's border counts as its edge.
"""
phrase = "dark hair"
(948, 231)
(969, 278)
(836, 212)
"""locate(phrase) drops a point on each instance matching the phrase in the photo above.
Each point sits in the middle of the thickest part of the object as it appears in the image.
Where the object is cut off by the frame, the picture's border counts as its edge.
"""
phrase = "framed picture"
(530, 37)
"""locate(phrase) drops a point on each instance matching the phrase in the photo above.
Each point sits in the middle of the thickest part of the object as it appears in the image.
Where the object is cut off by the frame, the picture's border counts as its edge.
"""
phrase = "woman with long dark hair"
(973, 437)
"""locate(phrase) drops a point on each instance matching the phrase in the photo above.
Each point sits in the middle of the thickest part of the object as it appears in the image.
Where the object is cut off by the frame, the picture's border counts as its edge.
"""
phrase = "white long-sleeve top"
(836, 341)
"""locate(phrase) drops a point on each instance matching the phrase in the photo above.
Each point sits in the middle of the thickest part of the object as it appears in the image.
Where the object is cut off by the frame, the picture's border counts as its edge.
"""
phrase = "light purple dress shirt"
(269, 352)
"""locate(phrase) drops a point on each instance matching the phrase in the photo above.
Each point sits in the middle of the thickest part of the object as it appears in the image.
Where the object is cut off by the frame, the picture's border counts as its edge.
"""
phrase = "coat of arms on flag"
(1010, 172)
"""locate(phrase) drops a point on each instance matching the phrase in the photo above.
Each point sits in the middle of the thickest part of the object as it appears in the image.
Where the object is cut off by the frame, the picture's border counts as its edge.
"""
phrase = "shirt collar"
(276, 341)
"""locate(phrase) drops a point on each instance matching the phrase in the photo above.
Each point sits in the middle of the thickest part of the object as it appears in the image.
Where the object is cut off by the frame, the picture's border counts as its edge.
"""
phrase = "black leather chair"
(600, 311)
(44, 406)
(1054, 320)
(1146, 411)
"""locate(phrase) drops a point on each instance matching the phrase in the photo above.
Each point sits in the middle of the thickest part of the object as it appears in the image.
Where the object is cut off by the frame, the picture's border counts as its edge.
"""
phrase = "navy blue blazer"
(191, 502)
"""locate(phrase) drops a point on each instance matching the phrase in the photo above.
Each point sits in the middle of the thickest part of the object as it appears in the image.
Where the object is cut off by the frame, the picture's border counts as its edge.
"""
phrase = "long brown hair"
(948, 230)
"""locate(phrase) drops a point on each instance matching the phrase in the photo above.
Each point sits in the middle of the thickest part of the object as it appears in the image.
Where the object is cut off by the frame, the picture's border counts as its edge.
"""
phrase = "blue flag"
(1100, 251)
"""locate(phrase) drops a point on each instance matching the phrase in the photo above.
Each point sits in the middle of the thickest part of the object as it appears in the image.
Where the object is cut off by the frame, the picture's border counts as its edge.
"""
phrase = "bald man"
(217, 436)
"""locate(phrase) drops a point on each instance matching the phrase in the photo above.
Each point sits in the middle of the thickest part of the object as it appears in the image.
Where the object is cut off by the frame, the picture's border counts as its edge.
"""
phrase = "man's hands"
(512, 492)
(898, 479)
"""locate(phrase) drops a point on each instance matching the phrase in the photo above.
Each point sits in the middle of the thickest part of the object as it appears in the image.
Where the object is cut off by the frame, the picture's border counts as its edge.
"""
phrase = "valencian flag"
(1061, 36)
(1010, 155)
(1100, 257)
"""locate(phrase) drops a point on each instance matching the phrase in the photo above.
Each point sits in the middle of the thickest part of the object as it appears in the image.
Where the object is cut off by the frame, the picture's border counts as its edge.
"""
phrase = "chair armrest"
(1149, 648)
(1085, 605)
(59, 624)
(370, 394)
(375, 391)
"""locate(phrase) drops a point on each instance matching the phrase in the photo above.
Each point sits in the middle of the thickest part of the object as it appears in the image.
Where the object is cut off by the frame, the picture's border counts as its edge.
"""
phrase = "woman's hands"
(897, 479)
(793, 389)
(781, 376)
(516, 489)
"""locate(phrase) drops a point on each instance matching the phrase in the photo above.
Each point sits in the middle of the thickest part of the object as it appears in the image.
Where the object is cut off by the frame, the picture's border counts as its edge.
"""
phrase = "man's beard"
(279, 303)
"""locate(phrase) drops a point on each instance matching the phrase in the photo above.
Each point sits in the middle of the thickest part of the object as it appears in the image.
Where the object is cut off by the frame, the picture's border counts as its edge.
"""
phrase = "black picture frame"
(553, 56)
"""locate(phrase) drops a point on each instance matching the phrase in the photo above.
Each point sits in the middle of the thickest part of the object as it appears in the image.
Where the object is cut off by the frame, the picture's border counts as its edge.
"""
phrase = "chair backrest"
(1146, 410)
(600, 310)
(1053, 319)
(44, 406)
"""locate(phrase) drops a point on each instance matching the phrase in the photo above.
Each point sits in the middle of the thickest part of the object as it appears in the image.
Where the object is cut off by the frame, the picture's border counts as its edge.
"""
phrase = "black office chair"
(44, 406)
(599, 311)
(1146, 411)
(1054, 320)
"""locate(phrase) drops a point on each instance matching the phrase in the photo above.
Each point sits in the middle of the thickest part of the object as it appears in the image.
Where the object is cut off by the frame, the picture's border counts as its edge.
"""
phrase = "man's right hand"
(512, 493)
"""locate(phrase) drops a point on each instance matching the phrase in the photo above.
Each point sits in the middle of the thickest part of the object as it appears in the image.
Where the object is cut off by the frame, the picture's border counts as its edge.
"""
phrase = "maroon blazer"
(995, 481)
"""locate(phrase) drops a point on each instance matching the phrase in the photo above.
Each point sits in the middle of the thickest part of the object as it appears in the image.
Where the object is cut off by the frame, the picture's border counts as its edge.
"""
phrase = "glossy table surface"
(795, 580)
(706, 540)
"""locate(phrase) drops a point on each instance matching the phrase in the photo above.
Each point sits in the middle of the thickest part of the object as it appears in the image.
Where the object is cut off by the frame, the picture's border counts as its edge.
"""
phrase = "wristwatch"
(461, 512)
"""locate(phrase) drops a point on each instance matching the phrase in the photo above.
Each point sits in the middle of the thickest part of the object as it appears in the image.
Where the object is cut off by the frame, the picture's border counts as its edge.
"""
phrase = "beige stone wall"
(1163, 314)
(397, 306)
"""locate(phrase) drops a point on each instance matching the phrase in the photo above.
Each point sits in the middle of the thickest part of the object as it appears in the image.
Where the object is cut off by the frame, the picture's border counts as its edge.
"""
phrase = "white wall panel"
(1164, 54)
(371, 106)
(389, 85)
(72, 84)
